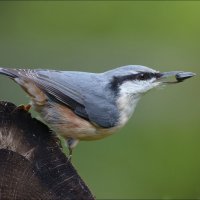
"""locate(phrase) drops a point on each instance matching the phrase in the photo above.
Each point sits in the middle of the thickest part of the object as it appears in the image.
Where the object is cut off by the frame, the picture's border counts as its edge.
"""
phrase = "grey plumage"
(80, 94)
(100, 102)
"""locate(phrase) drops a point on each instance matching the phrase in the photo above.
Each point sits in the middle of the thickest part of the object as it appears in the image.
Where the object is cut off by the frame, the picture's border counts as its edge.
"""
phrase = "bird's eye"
(143, 76)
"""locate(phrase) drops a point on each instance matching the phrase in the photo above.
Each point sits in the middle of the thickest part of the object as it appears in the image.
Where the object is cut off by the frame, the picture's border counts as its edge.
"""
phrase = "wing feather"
(63, 93)
(80, 95)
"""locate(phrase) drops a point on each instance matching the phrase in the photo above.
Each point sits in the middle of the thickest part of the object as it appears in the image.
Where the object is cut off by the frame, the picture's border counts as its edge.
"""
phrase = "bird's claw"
(23, 107)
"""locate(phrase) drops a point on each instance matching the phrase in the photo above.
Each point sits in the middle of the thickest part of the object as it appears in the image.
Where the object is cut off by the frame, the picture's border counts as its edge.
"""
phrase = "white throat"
(126, 104)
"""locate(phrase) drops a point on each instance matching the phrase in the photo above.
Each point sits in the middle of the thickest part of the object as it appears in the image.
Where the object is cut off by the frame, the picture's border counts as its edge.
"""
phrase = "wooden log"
(32, 164)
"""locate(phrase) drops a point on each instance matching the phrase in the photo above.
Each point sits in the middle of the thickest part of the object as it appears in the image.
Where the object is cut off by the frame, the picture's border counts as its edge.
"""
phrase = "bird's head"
(135, 80)
(129, 83)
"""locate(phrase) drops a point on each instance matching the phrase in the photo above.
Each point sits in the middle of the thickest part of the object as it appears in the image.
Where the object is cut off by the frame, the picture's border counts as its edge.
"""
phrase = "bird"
(89, 106)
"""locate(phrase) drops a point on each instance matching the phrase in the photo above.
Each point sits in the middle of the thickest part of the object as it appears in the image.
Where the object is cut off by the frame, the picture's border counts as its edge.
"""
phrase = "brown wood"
(32, 165)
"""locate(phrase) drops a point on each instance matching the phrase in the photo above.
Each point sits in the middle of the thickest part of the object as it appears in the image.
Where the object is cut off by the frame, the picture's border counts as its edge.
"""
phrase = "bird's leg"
(71, 143)
(70, 153)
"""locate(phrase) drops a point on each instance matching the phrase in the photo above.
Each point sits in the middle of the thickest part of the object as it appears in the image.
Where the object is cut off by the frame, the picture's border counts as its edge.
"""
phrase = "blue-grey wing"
(80, 92)
(77, 90)
(62, 88)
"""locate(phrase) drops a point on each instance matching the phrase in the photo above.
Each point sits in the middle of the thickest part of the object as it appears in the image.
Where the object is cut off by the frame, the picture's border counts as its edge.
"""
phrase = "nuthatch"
(88, 106)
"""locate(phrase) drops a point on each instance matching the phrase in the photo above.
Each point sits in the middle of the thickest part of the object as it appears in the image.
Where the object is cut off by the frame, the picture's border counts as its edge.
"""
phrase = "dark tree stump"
(32, 164)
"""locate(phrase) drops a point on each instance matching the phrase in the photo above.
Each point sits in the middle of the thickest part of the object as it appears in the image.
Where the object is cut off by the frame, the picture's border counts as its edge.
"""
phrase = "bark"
(32, 164)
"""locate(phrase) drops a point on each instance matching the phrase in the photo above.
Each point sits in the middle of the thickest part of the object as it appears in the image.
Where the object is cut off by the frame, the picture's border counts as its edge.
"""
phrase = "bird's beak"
(174, 76)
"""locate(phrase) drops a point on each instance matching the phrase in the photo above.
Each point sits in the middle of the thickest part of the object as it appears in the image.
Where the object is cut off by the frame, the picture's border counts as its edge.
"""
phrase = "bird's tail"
(11, 73)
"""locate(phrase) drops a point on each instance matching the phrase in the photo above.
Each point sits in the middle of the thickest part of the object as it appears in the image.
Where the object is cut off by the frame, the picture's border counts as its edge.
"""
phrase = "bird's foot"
(22, 107)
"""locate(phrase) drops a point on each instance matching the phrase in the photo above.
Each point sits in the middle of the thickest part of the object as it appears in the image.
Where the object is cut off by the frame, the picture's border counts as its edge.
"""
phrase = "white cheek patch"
(129, 95)
(138, 87)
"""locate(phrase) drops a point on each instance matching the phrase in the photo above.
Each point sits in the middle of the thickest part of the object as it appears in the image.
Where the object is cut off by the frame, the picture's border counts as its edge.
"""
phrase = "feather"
(77, 90)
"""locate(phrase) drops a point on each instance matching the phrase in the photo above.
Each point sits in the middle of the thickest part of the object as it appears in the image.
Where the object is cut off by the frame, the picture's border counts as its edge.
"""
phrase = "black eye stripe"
(142, 76)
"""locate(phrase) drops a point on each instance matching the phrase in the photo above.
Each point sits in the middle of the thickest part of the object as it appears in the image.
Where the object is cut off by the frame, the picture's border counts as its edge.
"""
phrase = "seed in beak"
(181, 76)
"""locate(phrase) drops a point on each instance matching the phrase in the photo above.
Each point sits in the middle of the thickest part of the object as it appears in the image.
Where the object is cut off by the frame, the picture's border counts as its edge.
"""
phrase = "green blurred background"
(157, 154)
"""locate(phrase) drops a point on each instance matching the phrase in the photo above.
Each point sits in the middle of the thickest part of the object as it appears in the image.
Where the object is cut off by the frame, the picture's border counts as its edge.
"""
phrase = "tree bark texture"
(32, 164)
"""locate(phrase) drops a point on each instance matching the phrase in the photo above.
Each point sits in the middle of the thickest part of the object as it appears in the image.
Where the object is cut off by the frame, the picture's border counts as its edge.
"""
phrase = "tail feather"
(11, 73)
